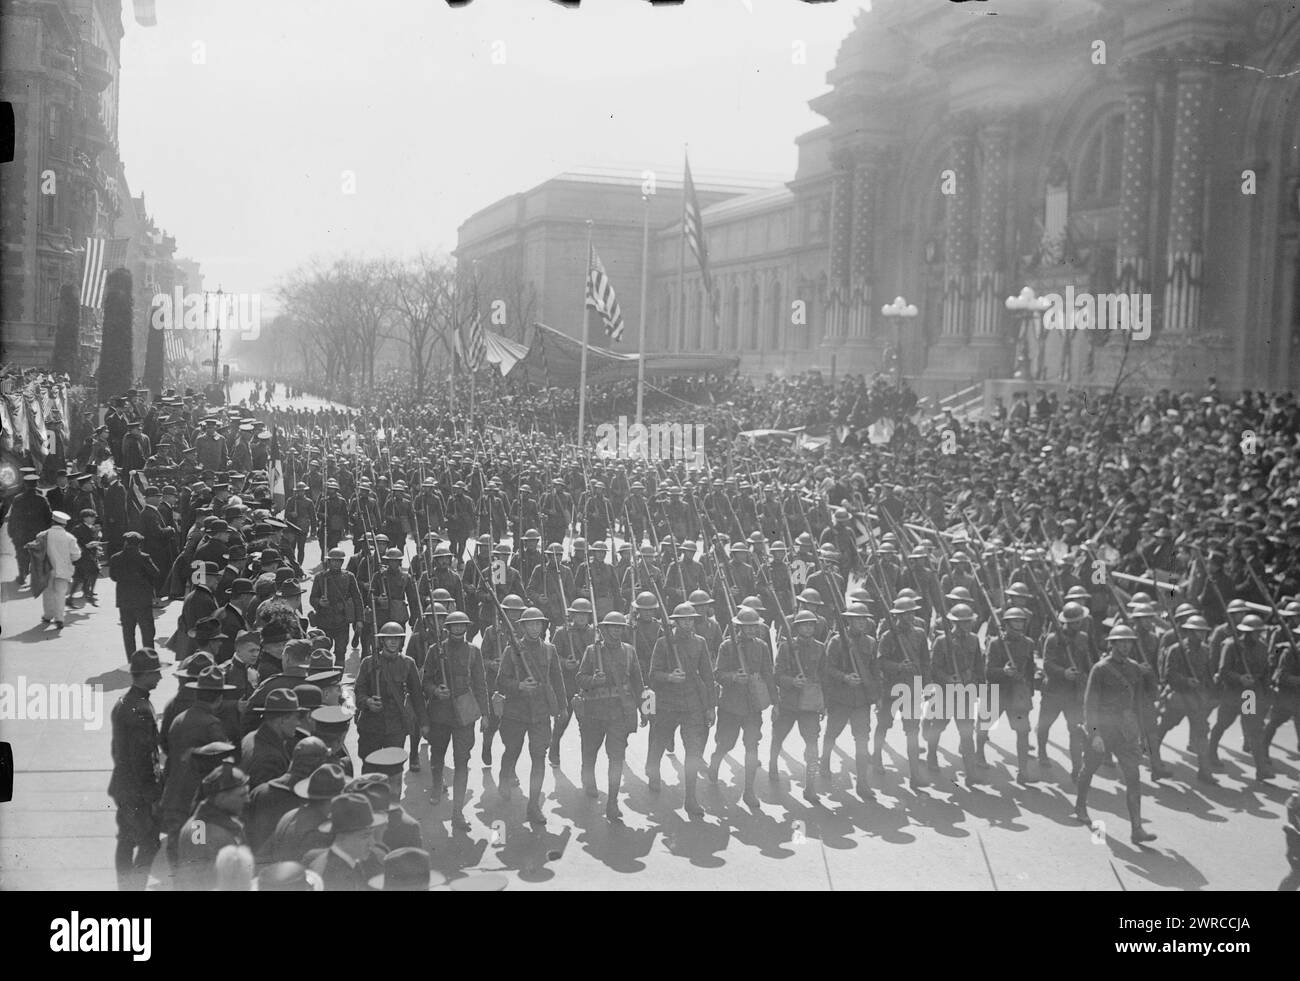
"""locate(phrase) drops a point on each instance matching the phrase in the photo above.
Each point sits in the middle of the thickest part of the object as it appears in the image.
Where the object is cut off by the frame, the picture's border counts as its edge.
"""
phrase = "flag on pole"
(601, 298)
(93, 273)
(473, 350)
(693, 222)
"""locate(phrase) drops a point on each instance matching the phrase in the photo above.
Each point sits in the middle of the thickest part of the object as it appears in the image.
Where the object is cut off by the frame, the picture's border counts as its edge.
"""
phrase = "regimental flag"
(693, 222)
(93, 274)
(601, 298)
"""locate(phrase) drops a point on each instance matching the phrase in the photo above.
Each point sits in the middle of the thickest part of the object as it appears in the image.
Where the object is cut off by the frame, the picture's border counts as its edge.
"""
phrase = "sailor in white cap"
(61, 551)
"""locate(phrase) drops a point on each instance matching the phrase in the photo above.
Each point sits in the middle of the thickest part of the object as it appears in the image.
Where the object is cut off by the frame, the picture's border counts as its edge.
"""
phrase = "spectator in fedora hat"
(276, 798)
(197, 725)
(216, 823)
(294, 658)
(266, 749)
(352, 858)
(299, 829)
(406, 870)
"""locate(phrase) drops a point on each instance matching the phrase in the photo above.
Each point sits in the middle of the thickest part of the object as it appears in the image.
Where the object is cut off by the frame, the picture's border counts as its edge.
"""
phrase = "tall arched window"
(755, 313)
(777, 315)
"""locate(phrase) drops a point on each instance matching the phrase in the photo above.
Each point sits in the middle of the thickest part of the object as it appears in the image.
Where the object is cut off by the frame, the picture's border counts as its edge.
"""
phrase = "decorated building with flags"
(1104, 152)
(531, 247)
(67, 217)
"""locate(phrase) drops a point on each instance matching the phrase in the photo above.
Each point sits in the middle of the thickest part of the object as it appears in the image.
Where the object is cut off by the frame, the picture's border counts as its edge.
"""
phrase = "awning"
(554, 360)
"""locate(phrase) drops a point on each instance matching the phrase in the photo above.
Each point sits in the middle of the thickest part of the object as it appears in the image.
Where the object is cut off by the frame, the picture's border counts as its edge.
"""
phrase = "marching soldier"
(550, 586)
(955, 665)
(1067, 659)
(1244, 677)
(1010, 665)
(570, 641)
(393, 592)
(647, 628)
(388, 692)
(1186, 692)
(300, 510)
(685, 697)
(745, 673)
(853, 685)
(799, 675)
(336, 602)
(457, 688)
(532, 683)
(429, 509)
(610, 683)
(1112, 724)
(904, 656)
(496, 638)
(332, 515)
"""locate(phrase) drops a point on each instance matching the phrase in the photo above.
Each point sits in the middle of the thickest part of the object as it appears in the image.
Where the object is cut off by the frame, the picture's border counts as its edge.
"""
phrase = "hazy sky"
(242, 157)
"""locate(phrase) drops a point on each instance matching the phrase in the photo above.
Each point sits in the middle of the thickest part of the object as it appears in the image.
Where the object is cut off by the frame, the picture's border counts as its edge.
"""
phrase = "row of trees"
(340, 319)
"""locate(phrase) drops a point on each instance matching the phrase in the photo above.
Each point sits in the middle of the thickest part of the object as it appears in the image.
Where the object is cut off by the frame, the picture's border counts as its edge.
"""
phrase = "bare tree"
(422, 295)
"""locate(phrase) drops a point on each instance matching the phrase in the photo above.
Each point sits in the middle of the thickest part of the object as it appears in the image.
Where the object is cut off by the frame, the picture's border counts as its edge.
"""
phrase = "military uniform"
(135, 787)
(461, 670)
(848, 704)
(742, 702)
(688, 704)
(1062, 695)
(608, 710)
(529, 713)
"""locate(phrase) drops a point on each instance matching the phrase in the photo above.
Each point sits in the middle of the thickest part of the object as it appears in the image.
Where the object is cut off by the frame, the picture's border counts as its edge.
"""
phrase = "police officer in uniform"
(135, 786)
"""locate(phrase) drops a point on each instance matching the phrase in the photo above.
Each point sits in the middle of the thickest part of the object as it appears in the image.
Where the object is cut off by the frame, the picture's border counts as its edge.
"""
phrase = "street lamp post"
(1027, 306)
(896, 313)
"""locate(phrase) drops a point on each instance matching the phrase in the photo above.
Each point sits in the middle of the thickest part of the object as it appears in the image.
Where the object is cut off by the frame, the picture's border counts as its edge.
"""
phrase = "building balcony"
(95, 72)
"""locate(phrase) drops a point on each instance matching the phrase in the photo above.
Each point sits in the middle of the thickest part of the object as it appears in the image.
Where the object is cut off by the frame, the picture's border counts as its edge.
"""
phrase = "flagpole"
(680, 340)
(645, 268)
(582, 332)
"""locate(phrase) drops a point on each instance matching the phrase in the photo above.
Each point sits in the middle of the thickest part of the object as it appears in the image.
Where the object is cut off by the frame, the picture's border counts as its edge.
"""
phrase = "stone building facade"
(1103, 147)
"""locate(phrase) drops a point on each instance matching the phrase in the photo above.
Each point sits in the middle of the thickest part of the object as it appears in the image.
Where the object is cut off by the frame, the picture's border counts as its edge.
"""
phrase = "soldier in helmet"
(429, 509)
(610, 683)
(1067, 659)
(336, 603)
(596, 576)
(496, 638)
(1112, 724)
(389, 693)
(955, 665)
(904, 655)
(799, 672)
(745, 673)
(1186, 692)
(707, 627)
(441, 575)
(1010, 666)
(810, 601)
(461, 516)
(532, 681)
(570, 642)
(458, 697)
(476, 581)
(853, 685)
(647, 628)
(1243, 674)
(529, 558)
(393, 591)
(685, 697)
(551, 586)
(556, 507)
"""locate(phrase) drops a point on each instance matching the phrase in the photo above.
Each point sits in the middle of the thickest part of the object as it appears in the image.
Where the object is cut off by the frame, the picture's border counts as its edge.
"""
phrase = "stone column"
(1183, 255)
(1132, 263)
(991, 272)
(837, 305)
(958, 218)
(865, 177)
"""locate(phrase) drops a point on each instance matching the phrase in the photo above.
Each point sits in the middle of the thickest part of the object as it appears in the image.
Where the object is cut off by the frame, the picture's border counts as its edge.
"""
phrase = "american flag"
(174, 346)
(93, 274)
(474, 350)
(693, 222)
(601, 298)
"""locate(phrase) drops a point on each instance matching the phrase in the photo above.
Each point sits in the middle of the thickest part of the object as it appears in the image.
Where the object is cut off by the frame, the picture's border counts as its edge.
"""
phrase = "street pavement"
(57, 832)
